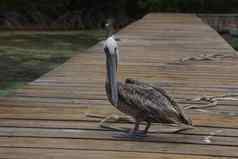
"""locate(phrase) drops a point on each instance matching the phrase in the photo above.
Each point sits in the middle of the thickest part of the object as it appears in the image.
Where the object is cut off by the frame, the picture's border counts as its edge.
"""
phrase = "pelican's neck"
(111, 79)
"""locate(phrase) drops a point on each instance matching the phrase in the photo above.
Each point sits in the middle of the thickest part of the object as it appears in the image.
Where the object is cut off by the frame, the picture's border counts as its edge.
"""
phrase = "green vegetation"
(190, 6)
(85, 14)
(234, 43)
(24, 56)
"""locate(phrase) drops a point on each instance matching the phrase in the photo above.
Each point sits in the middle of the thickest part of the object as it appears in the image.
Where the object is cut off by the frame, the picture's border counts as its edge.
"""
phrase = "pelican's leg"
(134, 133)
(136, 128)
(147, 127)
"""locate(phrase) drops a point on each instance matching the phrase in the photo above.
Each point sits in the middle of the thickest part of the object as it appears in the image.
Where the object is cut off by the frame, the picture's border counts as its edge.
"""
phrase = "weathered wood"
(117, 145)
(209, 139)
(209, 118)
(84, 125)
(48, 118)
(39, 153)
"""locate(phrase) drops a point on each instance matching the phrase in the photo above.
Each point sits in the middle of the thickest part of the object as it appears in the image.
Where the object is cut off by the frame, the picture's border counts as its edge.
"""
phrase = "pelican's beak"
(112, 72)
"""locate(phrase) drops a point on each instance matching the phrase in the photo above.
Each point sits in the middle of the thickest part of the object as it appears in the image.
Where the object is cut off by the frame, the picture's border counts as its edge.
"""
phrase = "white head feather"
(112, 46)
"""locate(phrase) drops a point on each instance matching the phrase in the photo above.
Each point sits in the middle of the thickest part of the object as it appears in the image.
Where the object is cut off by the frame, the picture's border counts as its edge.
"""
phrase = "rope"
(212, 101)
(206, 57)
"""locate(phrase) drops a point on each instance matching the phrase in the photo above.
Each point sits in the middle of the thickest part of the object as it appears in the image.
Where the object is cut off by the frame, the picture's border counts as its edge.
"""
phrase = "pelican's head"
(112, 53)
(111, 48)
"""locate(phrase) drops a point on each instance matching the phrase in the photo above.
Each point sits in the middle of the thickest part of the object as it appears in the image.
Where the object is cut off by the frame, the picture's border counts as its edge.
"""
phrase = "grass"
(25, 56)
(234, 43)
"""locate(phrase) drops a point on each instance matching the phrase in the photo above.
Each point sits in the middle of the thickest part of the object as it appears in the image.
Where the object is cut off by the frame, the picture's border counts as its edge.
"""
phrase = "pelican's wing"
(164, 93)
(148, 102)
(146, 85)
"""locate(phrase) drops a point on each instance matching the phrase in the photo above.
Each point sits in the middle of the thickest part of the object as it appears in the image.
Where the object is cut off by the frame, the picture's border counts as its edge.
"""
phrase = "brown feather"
(147, 104)
(184, 117)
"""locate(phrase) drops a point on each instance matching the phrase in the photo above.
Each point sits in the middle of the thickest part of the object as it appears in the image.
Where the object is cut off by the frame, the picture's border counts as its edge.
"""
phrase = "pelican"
(144, 102)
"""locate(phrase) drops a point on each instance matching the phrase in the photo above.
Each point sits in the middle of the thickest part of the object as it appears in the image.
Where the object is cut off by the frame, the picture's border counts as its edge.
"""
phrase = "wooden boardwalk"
(48, 118)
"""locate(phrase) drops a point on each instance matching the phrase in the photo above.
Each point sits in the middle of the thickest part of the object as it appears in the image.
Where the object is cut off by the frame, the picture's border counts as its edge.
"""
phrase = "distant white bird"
(109, 27)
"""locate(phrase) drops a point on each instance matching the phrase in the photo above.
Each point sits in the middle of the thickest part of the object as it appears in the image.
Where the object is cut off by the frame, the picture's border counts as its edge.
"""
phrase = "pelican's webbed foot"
(133, 135)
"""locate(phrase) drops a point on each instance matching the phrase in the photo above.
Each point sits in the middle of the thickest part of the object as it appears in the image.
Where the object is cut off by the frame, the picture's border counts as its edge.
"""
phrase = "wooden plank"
(84, 125)
(80, 113)
(120, 146)
(209, 139)
(39, 153)
(48, 117)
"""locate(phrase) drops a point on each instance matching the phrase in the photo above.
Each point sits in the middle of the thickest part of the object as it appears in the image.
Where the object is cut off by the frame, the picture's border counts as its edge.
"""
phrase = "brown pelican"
(144, 102)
